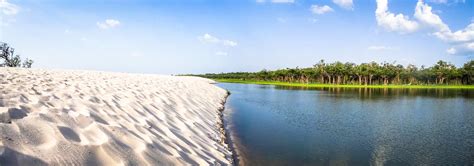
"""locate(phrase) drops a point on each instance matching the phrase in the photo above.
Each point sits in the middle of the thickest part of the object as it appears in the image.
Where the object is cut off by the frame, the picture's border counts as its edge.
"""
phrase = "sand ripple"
(62, 117)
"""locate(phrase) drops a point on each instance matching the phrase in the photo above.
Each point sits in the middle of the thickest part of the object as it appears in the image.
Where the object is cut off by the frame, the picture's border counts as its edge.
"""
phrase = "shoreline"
(238, 151)
(226, 136)
(314, 85)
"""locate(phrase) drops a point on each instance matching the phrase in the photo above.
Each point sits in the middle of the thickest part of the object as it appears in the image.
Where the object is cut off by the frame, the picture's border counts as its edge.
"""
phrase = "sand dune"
(62, 117)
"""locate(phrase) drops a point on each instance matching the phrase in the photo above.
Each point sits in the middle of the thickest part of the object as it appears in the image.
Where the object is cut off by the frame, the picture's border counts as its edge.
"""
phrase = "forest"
(441, 73)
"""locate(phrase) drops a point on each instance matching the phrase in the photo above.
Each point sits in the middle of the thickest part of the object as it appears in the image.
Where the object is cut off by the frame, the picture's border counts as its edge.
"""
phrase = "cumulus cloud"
(461, 41)
(424, 14)
(207, 38)
(7, 8)
(462, 49)
(346, 4)
(316, 9)
(391, 22)
(379, 48)
(463, 35)
(276, 1)
(108, 24)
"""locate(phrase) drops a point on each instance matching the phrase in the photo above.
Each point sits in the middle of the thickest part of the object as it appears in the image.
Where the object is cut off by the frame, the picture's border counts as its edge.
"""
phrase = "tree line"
(362, 74)
(7, 54)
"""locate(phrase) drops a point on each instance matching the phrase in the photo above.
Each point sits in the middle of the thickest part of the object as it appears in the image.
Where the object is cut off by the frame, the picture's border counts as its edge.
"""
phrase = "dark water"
(290, 126)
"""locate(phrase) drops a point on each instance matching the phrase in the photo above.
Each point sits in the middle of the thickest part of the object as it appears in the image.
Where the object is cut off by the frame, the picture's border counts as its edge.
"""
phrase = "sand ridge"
(65, 117)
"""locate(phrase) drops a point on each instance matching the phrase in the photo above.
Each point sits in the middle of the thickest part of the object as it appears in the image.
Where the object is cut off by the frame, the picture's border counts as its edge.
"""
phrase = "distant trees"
(467, 73)
(363, 74)
(10, 59)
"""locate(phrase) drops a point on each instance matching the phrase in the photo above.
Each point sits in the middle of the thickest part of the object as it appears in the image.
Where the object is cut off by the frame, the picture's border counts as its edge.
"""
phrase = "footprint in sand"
(69, 134)
(9, 114)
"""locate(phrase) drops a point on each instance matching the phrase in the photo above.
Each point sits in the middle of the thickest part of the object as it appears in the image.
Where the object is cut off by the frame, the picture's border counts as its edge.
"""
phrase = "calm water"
(290, 126)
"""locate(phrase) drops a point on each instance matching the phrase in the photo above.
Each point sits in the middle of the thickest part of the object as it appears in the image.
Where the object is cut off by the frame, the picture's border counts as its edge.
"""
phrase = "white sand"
(62, 117)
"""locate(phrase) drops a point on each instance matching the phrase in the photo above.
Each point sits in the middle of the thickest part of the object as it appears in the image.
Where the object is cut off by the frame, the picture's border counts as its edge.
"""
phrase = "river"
(273, 125)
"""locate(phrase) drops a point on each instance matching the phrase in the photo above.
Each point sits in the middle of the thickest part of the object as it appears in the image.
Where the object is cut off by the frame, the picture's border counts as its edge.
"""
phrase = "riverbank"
(226, 136)
(238, 151)
(65, 117)
(311, 85)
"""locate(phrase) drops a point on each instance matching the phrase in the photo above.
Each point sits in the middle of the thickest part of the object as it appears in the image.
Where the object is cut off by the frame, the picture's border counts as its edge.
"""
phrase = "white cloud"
(462, 49)
(8, 8)
(439, 1)
(451, 51)
(346, 4)
(424, 14)
(379, 48)
(220, 46)
(321, 9)
(108, 24)
(207, 38)
(460, 36)
(221, 53)
(276, 1)
(229, 43)
(391, 22)
(462, 41)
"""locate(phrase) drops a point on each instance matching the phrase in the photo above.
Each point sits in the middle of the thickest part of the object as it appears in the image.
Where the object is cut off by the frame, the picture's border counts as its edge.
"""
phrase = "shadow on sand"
(11, 157)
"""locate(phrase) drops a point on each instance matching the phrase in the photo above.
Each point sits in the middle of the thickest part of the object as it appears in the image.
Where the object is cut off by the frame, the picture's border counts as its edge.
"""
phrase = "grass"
(313, 85)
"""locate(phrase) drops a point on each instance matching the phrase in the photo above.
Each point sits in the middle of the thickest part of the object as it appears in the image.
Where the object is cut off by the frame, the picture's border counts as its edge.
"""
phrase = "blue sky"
(199, 36)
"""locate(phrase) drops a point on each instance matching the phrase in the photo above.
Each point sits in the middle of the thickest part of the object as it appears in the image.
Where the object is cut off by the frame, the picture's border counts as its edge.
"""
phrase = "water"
(290, 126)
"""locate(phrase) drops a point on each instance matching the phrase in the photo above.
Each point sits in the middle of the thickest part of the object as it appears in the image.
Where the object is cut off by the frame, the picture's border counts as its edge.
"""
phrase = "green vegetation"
(7, 54)
(316, 85)
(372, 75)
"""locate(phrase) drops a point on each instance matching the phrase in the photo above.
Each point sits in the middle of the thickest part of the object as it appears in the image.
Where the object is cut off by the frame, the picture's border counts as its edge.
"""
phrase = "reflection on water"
(388, 92)
(338, 126)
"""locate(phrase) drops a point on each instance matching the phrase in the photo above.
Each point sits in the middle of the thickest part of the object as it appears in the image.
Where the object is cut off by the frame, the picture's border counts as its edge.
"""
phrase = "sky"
(204, 36)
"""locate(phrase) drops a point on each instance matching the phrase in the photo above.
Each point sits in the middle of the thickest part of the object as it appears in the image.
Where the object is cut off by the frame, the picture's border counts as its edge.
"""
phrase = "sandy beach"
(66, 117)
